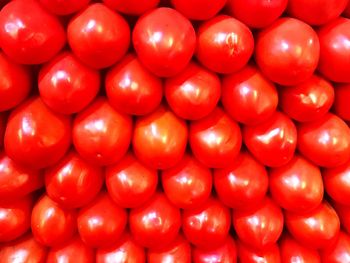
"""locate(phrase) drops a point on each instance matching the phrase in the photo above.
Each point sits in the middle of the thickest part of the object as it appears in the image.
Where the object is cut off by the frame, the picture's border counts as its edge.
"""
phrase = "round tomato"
(342, 97)
(198, 9)
(270, 254)
(132, 7)
(339, 252)
(65, 7)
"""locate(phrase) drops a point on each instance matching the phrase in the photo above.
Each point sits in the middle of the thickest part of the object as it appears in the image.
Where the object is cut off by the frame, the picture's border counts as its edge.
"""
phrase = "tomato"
(287, 51)
(297, 186)
(30, 141)
(338, 252)
(193, 93)
(187, 184)
(273, 141)
(131, 7)
(73, 182)
(156, 223)
(160, 138)
(257, 96)
(98, 36)
(224, 44)
(131, 88)
(65, 7)
(164, 41)
(101, 222)
(342, 97)
(198, 9)
(207, 225)
(3, 123)
(270, 254)
(314, 229)
(243, 183)
(51, 224)
(325, 141)
(101, 134)
(67, 85)
(216, 139)
(22, 34)
(344, 215)
(130, 183)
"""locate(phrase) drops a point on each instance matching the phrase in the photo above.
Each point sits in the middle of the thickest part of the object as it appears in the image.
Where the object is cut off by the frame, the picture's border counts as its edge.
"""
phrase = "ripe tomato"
(292, 251)
(342, 98)
(198, 9)
(131, 7)
(3, 123)
(287, 51)
(224, 44)
(270, 254)
(343, 212)
(164, 41)
(65, 7)
(339, 252)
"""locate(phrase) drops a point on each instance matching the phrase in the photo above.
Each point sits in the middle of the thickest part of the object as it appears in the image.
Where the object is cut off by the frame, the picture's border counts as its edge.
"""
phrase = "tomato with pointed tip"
(248, 254)
(198, 9)
(132, 7)
(65, 7)
(339, 252)
(342, 98)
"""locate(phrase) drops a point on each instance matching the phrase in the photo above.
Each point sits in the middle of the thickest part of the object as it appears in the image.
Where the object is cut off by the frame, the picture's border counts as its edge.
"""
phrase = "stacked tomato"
(175, 131)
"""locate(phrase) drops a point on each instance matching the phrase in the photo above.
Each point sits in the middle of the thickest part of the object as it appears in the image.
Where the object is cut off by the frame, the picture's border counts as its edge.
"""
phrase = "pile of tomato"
(175, 131)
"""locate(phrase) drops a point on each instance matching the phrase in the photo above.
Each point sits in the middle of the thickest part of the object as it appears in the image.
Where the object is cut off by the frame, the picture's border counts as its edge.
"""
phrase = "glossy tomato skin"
(98, 36)
(193, 93)
(101, 134)
(198, 9)
(270, 254)
(325, 141)
(129, 182)
(273, 141)
(224, 44)
(73, 182)
(342, 97)
(132, 7)
(216, 139)
(256, 94)
(160, 138)
(66, 7)
(243, 183)
(279, 48)
(338, 252)
(23, 36)
(30, 141)
(67, 85)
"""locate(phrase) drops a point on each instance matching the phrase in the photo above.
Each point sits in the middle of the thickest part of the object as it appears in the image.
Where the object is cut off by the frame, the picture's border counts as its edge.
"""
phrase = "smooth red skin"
(164, 41)
(287, 51)
(131, 88)
(334, 61)
(23, 36)
(132, 7)
(207, 226)
(198, 9)
(216, 139)
(314, 229)
(51, 224)
(67, 85)
(15, 83)
(129, 182)
(160, 138)
(273, 141)
(338, 252)
(35, 136)
(343, 212)
(101, 135)
(193, 93)
(342, 98)
(248, 254)
(307, 101)
(98, 36)
(292, 251)
(187, 184)
(101, 222)
(224, 44)
(325, 141)
(65, 7)
(243, 183)
(124, 250)
(296, 186)
(73, 182)
(256, 13)
(316, 12)
(257, 96)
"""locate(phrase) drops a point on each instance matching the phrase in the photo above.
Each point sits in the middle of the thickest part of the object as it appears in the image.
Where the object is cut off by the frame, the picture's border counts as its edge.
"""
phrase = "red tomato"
(193, 93)
(23, 36)
(51, 224)
(224, 44)
(160, 138)
(3, 123)
(130, 183)
(339, 252)
(35, 136)
(131, 7)
(207, 226)
(67, 85)
(131, 88)
(198, 9)
(98, 36)
(156, 223)
(297, 186)
(73, 182)
(257, 96)
(341, 102)
(64, 7)
(101, 134)
(101, 222)
(187, 184)
(344, 215)
(216, 139)
(164, 41)
(287, 51)
(272, 142)
(243, 183)
(325, 141)
(269, 254)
